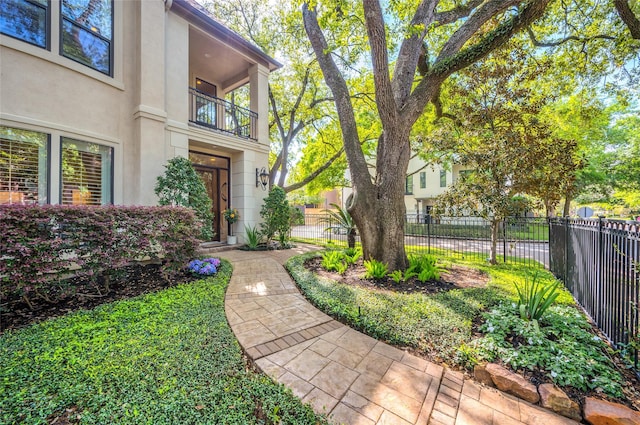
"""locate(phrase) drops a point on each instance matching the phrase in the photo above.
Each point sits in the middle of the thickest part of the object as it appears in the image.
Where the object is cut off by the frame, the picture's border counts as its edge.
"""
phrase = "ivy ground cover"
(462, 327)
(162, 358)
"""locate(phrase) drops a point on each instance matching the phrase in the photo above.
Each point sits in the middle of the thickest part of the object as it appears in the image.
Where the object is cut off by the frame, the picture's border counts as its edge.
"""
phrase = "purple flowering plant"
(206, 267)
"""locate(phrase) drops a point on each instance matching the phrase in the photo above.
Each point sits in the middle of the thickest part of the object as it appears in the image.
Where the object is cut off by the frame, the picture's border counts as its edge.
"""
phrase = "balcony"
(220, 115)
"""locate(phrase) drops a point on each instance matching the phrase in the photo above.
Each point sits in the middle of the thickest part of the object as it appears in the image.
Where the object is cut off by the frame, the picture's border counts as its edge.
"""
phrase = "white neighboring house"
(424, 183)
(97, 95)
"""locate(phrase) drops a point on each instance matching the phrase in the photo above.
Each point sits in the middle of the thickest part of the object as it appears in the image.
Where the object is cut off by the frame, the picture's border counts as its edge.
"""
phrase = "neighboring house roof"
(196, 13)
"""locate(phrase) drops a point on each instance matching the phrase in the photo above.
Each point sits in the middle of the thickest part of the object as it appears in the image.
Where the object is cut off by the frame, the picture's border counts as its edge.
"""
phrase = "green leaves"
(534, 297)
(375, 269)
(276, 215)
(181, 185)
(163, 358)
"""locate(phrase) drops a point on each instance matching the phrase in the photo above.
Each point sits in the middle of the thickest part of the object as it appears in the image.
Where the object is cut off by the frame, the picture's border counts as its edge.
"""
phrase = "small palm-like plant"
(253, 237)
(534, 297)
(339, 220)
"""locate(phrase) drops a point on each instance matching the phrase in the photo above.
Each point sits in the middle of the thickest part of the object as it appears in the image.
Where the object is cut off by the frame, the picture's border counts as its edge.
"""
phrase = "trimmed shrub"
(42, 244)
(181, 186)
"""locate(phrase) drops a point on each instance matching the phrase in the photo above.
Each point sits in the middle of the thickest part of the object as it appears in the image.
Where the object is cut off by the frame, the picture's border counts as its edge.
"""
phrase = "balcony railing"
(218, 114)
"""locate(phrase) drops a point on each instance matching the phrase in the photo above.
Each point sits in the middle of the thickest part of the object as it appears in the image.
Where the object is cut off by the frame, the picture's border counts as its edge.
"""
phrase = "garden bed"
(80, 293)
(441, 320)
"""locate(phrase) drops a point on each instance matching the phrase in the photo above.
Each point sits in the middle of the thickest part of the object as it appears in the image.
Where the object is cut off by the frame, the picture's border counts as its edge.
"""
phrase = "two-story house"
(97, 95)
(424, 183)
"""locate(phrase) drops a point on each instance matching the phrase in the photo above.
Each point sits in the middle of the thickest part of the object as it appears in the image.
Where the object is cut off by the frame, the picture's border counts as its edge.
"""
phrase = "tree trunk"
(351, 238)
(380, 213)
(495, 228)
(567, 207)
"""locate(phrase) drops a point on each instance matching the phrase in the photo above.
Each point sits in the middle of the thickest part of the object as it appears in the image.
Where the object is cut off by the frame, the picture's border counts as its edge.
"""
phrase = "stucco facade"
(142, 110)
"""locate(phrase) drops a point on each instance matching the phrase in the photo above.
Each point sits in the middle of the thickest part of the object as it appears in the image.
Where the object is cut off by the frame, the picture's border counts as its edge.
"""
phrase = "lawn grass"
(162, 358)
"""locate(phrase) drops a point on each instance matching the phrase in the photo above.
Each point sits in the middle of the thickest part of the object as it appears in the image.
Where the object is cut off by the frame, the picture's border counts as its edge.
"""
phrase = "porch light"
(262, 178)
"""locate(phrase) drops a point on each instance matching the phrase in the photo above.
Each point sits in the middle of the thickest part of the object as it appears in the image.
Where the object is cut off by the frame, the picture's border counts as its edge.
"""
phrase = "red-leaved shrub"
(39, 245)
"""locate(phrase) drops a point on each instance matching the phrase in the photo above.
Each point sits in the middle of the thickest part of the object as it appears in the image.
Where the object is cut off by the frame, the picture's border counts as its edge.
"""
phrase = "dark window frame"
(110, 42)
(47, 28)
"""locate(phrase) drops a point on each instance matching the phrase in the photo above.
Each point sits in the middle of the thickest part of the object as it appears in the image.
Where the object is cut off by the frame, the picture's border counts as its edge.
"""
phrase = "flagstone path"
(349, 376)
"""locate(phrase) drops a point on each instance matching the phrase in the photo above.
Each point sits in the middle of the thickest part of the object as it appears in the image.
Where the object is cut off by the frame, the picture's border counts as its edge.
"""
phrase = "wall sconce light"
(262, 178)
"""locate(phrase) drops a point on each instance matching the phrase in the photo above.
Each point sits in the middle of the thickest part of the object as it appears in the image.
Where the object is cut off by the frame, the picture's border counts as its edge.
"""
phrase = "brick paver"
(349, 376)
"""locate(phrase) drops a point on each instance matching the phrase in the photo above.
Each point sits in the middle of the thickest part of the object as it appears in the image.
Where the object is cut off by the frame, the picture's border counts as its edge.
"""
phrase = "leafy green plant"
(181, 186)
(276, 216)
(561, 346)
(423, 267)
(396, 276)
(534, 297)
(253, 237)
(340, 221)
(375, 269)
(331, 260)
(352, 255)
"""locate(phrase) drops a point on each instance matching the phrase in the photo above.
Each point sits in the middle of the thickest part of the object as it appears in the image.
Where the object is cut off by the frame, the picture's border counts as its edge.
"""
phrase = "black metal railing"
(520, 239)
(599, 262)
(218, 114)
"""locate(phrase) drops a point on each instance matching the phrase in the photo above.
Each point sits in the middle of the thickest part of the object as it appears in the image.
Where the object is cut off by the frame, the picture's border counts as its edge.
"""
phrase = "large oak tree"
(477, 28)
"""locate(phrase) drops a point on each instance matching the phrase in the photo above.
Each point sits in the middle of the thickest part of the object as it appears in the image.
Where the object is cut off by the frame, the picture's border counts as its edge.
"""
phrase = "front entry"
(214, 171)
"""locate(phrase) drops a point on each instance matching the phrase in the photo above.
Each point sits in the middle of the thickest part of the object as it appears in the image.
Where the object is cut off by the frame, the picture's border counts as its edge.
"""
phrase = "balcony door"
(214, 171)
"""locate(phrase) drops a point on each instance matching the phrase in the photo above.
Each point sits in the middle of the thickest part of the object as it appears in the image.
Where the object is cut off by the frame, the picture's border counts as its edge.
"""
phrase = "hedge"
(40, 245)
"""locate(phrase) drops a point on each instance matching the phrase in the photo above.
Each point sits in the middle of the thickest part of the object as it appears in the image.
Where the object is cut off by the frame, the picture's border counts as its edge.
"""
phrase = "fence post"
(504, 240)
(428, 218)
(599, 272)
(566, 251)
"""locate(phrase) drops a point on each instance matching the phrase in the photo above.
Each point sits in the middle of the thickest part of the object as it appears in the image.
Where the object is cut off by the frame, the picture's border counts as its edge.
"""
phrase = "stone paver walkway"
(350, 376)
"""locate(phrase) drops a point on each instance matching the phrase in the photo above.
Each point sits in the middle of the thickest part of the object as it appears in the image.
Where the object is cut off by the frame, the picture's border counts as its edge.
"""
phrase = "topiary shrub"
(181, 186)
(277, 216)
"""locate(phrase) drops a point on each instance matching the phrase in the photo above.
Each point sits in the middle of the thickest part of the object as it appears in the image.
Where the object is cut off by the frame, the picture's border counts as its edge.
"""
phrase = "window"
(423, 180)
(24, 160)
(25, 20)
(87, 32)
(87, 173)
(408, 188)
(443, 178)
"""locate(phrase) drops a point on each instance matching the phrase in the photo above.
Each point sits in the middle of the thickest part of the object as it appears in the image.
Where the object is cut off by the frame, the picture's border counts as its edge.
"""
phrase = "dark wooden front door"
(214, 171)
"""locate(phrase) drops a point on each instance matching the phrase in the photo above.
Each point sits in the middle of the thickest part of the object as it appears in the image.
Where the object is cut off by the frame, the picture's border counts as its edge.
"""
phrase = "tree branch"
(628, 17)
(387, 108)
(457, 13)
(315, 174)
(409, 52)
(556, 43)
(338, 87)
(471, 26)
(446, 66)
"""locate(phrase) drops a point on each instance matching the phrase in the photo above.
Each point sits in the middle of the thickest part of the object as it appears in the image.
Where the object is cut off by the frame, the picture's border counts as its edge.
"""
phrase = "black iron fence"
(219, 114)
(520, 239)
(597, 259)
(599, 262)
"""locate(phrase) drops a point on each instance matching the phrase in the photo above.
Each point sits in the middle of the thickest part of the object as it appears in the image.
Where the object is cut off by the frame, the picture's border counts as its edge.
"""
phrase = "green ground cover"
(162, 358)
(441, 325)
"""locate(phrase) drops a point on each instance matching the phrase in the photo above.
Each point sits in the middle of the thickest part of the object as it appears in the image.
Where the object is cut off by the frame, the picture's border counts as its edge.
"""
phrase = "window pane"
(409, 185)
(25, 21)
(23, 166)
(423, 180)
(95, 15)
(85, 47)
(443, 178)
(86, 173)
